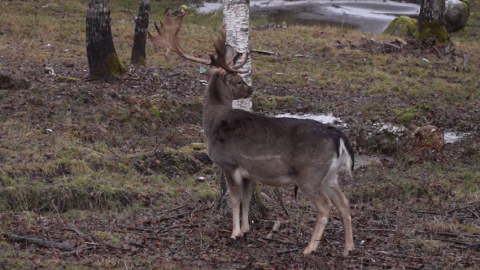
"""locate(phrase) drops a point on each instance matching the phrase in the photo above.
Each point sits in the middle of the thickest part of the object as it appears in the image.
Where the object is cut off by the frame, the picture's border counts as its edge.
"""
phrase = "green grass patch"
(270, 103)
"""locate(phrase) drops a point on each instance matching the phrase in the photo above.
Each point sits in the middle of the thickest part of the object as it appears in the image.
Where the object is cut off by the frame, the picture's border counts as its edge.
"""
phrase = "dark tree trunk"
(224, 205)
(103, 60)
(140, 39)
(431, 21)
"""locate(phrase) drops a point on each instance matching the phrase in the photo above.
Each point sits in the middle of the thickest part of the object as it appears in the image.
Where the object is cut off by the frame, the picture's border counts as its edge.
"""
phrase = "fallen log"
(40, 242)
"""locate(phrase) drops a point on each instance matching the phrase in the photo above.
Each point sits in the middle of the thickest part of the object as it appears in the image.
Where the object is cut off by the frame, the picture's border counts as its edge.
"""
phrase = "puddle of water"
(372, 16)
(324, 118)
(298, 17)
(210, 8)
(452, 137)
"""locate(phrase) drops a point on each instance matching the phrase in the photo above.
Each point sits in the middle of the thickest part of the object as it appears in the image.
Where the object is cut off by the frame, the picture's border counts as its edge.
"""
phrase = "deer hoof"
(347, 251)
(307, 251)
(231, 241)
(237, 234)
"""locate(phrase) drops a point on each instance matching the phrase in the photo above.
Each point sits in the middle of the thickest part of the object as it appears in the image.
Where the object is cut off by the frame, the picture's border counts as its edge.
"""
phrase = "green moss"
(155, 112)
(72, 79)
(198, 146)
(406, 116)
(67, 79)
(115, 65)
(466, 8)
(432, 29)
(143, 61)
(401, 26)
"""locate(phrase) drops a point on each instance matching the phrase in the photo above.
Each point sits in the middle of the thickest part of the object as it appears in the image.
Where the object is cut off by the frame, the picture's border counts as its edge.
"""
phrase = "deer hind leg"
(341, 203)
(235, 194)
(246, 196)
(323, 204)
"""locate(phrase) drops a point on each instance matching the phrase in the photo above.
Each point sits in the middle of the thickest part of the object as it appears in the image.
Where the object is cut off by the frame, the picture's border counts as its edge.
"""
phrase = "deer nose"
(250, 91)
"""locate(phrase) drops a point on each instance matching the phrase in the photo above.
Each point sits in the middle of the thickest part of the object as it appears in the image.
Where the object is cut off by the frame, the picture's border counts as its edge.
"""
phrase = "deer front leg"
(235, 193)
(246, 196)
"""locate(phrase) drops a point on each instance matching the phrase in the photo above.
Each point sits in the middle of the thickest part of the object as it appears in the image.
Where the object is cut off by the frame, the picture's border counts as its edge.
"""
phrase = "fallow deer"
(274, 151)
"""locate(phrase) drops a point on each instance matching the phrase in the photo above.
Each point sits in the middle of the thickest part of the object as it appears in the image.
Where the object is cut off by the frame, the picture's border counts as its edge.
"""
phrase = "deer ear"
(227, 77)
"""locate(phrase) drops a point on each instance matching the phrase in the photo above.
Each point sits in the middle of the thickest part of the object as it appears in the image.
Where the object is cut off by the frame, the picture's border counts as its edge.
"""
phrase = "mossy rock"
(401, 26)
(457, 14)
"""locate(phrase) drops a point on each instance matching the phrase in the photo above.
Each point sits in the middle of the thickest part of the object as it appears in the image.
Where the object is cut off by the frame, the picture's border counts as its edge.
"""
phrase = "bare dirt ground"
(194, 236)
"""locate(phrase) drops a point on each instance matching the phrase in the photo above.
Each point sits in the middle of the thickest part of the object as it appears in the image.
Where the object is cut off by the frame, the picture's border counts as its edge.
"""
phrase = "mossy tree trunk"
(140, 39)
(236, 17)
(103, 60)
(431, 21)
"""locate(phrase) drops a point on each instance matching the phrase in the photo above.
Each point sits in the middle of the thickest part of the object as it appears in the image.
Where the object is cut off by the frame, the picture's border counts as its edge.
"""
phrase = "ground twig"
(281, 252)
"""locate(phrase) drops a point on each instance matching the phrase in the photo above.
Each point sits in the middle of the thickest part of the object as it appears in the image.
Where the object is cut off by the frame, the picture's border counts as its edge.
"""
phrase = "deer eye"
(240, 82)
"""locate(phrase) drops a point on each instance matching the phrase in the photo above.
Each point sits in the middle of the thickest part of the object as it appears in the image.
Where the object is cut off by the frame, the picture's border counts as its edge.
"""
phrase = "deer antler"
(168, 38)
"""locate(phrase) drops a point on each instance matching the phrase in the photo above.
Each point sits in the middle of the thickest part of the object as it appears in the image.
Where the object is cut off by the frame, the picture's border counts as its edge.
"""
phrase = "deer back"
(273, 148)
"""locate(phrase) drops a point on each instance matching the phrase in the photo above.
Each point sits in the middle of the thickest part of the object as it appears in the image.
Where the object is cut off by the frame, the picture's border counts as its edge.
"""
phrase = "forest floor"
(97, 175)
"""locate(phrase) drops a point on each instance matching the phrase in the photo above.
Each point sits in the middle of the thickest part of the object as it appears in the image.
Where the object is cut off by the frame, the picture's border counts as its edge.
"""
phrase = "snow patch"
(324, 118)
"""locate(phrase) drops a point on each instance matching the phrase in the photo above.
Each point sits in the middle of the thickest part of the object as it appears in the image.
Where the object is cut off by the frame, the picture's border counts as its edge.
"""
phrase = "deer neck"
(217, 100)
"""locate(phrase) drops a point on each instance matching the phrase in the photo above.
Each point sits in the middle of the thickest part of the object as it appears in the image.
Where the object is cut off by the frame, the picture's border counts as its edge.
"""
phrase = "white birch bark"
(236, 17)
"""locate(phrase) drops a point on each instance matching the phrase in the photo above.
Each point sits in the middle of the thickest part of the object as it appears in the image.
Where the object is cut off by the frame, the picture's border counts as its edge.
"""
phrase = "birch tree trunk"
(103, 60)
(236, 17)
(431, 21)
(140, 39)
